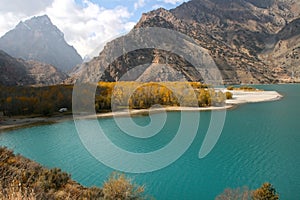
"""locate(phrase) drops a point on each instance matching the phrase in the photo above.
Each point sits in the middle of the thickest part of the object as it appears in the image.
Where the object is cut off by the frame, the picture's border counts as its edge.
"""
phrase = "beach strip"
(239, 97)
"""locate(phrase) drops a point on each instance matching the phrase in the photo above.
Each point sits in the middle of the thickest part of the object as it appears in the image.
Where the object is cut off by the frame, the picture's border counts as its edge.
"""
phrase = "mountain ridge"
(17, 72)
(40, 40)
(240, 35)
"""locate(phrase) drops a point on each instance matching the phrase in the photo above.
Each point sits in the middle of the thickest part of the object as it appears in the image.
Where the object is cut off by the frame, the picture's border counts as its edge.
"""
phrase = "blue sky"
(136, 7)
(87, 24)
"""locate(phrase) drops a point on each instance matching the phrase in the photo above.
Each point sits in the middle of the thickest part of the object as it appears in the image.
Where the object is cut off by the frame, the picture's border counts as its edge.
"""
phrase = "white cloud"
(156, 6)
(139, 4)
(8, 21)
(174, 2)
(85, 26)
(27, 7)
(12, 11)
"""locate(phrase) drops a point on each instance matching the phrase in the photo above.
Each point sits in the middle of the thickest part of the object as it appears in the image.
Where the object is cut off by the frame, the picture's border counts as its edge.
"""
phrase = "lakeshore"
(239, 97)
(257, 142)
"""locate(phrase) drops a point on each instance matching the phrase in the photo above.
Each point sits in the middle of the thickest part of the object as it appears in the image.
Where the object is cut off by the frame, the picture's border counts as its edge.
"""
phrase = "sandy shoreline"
(17, 122)
(239, 97)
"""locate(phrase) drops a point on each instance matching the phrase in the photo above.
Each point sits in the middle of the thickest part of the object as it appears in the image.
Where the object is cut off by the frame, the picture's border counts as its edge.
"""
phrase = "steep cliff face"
(13, 72)
(44, 74)
(239, 23)
(38, 39)
(284, 57)
(20, 72)
(236, 66)
(250, 41)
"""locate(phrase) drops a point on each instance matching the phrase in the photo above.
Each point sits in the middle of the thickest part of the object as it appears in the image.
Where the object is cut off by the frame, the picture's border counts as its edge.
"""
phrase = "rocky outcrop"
(15, 72)
(250, 41)
(44, 74)
(284, 57)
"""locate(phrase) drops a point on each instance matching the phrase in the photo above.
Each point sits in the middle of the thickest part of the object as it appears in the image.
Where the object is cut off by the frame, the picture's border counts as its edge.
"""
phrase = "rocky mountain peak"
(38, 39)
(245, 39)
(39, 23)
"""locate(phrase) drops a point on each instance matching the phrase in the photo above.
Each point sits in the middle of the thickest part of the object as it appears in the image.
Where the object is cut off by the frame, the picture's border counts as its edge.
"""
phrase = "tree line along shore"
(25, 179)
(48, 100)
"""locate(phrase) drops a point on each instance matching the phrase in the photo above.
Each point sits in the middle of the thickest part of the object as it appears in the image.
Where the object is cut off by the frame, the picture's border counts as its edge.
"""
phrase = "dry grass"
(16, 193)
(118, 187)
(23, 179)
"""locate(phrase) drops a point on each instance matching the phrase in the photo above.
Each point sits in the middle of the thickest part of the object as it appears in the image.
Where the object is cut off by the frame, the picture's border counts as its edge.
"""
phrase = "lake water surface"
(260, 143)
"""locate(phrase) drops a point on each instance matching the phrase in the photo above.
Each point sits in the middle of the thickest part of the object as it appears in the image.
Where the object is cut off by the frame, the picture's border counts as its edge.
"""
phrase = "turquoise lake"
(260, 143)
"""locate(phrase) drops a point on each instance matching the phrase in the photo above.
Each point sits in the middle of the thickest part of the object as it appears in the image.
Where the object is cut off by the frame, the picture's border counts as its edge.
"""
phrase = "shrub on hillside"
(119, 187)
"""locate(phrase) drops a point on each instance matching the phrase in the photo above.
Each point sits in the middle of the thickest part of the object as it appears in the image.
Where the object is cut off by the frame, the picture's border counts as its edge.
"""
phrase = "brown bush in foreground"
(265, 192)
(235, 194)
(14, 192)
(23, 179)
(118, 187)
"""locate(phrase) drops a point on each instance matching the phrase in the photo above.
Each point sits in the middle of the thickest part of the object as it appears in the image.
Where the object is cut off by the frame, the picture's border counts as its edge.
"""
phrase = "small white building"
(63, 110)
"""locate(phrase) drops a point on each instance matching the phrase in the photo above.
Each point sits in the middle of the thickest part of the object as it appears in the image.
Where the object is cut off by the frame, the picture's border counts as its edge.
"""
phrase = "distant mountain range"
(250, 41)
(19, 72)
(38, 39)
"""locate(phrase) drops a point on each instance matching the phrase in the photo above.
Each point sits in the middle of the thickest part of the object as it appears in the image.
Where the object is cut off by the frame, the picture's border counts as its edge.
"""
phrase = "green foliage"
(265, 192)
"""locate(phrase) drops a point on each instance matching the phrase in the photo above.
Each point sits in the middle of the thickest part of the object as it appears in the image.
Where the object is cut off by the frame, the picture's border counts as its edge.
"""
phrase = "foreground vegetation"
(23, 179)
(243, 88)
(135, 95)
(265, 192)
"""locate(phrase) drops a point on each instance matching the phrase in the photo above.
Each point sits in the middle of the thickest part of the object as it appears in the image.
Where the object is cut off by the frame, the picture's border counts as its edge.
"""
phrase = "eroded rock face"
(44, 74)
(20, 72)
(13, 72)
(285, 55)
(250, 41)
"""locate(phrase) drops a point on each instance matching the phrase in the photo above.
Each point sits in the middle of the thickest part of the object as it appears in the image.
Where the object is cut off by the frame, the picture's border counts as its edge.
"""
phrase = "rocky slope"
(285, 55)
(255, 28)
(38, 39)
(250, 41)
(13, 72)
(20, 72)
